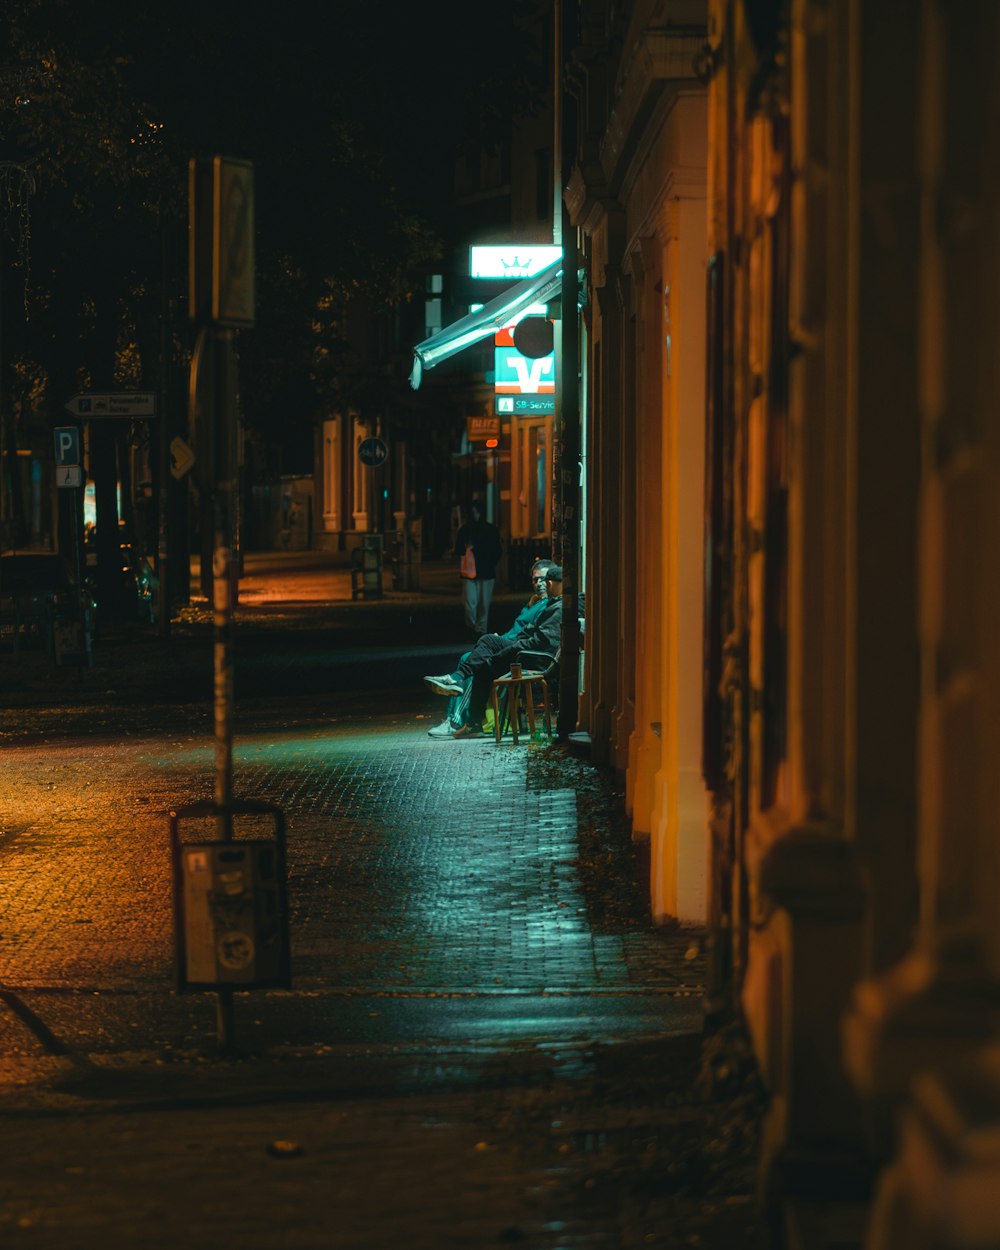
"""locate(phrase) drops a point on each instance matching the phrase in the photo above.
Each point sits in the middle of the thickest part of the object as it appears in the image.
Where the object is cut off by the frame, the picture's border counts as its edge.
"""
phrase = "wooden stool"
(526, 680)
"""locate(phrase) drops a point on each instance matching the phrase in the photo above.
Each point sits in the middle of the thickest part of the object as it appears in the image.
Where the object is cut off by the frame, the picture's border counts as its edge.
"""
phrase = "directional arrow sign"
(123, 404)
(69, 475)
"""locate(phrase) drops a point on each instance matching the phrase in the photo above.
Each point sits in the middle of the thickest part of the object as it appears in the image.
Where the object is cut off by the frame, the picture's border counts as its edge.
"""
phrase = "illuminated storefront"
(523, 385)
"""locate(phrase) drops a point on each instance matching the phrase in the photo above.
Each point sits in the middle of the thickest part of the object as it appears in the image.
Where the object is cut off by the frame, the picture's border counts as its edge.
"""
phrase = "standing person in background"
(482, 539)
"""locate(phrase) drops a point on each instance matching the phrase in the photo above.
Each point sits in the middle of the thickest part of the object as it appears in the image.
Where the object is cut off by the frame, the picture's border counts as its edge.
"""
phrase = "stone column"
(646, 740)
(926, 1034)
(332, 461)
(679, 851)
(361, 478)
(623, 719)
(605, 580)
(795, 397)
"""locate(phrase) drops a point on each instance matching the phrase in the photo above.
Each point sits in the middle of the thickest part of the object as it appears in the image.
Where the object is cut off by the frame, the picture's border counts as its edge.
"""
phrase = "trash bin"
(366, 568)
(72, 630)
(404, 553)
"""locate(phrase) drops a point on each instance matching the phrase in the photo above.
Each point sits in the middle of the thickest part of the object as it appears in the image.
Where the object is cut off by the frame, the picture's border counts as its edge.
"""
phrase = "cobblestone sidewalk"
(487, 1040)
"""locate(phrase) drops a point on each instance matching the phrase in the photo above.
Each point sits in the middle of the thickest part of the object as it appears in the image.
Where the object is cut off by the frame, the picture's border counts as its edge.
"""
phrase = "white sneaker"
(447, 730)
(446, 684)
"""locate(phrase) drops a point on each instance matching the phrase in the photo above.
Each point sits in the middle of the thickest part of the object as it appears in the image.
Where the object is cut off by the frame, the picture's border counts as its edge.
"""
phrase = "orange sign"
(481, 428)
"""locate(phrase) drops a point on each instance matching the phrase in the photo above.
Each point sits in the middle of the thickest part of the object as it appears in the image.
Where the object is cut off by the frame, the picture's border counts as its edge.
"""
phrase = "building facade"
(785, 211)
(636, 194)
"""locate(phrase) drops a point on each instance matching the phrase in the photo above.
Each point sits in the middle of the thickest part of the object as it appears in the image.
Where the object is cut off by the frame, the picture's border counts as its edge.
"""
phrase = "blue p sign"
(67, 444)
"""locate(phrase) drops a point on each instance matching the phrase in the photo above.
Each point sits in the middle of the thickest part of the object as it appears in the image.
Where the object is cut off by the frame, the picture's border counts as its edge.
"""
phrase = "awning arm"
(487, 320)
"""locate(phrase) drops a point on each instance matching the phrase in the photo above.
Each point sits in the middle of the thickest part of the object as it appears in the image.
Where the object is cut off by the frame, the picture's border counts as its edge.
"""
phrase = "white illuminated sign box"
(511, 260)
(517, 375)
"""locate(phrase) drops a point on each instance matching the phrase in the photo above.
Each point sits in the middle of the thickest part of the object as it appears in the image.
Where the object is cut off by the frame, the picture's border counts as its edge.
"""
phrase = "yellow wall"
(678, 816)
(646, 365)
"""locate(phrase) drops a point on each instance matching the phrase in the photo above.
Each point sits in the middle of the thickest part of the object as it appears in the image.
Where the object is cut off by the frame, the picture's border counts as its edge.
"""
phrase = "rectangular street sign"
(527, 405)
(116, 404)
(67, 438)
(221, 263)
(534, 405)
(479, 428)
(69, 475)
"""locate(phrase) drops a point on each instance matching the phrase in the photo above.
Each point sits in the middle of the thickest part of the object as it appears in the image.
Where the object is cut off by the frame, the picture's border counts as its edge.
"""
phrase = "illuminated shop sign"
(517, 374)
(520, 375)
(527, 405)
(511, 260)
(479, 429)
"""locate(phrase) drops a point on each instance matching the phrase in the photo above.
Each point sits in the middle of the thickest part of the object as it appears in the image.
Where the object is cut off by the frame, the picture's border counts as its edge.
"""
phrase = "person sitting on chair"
(458, 704)
(537, 628)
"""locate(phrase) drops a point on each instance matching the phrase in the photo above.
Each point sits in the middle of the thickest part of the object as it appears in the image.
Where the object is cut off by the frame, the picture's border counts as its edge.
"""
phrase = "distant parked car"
(35, 593)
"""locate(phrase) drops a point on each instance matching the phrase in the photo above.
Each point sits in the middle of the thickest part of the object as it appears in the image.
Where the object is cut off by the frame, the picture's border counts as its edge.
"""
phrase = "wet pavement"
(486, 1041)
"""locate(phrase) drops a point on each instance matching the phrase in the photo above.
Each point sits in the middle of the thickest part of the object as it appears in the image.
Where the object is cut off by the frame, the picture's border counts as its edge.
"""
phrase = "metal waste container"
(366, 568)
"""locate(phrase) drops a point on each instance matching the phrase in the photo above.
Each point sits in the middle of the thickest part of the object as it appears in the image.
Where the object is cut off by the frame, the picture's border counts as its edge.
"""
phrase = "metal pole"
(4, 492)
(79, 613)
(223, 571)
(221, 296)
(163, 444)
(225, 1018)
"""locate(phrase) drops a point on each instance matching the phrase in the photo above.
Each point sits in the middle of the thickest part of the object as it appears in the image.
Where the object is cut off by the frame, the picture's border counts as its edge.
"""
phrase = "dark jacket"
(484, 539)
(542, 629)
(524, 618)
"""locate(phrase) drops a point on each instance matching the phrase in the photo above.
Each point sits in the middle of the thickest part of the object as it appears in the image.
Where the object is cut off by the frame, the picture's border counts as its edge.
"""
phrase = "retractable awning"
(487, 320)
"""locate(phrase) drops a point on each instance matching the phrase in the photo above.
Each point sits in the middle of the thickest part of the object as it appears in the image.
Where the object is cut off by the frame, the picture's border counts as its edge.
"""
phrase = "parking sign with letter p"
(67, 440)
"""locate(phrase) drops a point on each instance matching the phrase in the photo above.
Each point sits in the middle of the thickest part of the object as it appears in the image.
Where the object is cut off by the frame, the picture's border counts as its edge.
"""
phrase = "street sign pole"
(221, 297)
(222, 347)
(69, 476)
(164, 567)
(223, 567)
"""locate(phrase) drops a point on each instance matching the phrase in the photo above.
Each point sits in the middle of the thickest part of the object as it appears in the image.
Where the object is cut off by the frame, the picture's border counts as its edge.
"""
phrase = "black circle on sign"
(372, 451)
(533, 337)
